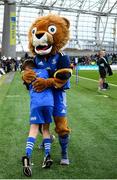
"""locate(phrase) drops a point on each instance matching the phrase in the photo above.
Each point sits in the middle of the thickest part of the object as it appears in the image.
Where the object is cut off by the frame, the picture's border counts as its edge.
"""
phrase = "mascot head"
(48, 35)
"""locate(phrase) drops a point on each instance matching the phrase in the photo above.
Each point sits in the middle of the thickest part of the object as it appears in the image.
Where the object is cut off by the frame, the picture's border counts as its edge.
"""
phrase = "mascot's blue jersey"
(54, 63)
(44, 98)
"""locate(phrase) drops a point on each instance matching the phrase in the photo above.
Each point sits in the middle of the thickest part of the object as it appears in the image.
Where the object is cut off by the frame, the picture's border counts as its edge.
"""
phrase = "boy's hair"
(28, 63)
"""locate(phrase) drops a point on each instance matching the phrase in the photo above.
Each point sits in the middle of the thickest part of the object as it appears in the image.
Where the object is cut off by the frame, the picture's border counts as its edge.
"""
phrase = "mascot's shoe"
(26, 166)
(47, 162)
(64, 162)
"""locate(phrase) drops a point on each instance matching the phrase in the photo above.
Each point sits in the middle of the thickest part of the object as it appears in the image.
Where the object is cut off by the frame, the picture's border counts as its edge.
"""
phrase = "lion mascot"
(47, 36)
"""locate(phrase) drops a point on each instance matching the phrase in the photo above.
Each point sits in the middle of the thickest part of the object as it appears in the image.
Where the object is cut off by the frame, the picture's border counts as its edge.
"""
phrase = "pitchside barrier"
(92, 67)
(89, 67)
(84, 67)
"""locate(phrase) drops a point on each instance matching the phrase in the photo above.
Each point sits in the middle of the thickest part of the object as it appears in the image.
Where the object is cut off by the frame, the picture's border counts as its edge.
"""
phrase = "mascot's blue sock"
(63, 140)
(47, 146)
(29, 146)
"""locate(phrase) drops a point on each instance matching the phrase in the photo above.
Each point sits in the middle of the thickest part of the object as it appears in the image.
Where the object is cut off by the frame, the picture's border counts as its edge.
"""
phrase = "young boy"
(41, 110)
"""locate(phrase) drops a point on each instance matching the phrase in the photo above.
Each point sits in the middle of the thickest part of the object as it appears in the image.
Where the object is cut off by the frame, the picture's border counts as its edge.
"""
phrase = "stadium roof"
(93, 22)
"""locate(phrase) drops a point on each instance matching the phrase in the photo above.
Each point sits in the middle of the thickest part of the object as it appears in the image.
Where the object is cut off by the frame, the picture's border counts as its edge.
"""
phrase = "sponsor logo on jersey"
(48, 68)
(40, 63)
(33, 118)
(53, 61)
(38, 73)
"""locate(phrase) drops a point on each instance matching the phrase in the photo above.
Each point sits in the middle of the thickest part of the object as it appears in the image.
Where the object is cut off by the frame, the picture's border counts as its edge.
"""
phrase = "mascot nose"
(39, 35)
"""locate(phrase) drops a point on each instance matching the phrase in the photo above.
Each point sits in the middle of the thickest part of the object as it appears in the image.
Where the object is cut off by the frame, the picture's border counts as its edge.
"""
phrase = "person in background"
(104, 70)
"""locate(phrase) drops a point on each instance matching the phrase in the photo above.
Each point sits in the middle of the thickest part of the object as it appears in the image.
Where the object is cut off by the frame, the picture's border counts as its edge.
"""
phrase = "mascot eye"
(52, 29)
(34, 30)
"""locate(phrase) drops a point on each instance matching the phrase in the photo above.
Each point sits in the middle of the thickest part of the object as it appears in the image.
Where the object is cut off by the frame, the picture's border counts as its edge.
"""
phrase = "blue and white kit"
(41, 103)
(53, 64)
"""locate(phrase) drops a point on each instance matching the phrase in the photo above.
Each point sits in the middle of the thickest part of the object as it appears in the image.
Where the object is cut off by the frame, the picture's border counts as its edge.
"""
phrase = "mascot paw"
(58, 83)
(28, 76)
(40, 84)
(63, 74)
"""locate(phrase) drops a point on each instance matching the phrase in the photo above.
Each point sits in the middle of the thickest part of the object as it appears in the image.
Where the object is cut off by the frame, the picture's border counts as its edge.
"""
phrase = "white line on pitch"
(94, 80)
(102, 95)
(12, 96)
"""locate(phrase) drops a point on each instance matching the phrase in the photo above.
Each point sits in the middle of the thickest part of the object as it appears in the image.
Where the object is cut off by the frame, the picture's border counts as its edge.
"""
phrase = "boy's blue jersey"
(54, 63)
(44, 98)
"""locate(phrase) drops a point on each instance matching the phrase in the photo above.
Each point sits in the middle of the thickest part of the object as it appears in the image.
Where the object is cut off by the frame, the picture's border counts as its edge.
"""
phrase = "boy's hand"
(28, 76)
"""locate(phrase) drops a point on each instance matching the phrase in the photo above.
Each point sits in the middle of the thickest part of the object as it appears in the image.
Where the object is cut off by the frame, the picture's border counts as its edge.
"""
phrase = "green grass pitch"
(92, 117)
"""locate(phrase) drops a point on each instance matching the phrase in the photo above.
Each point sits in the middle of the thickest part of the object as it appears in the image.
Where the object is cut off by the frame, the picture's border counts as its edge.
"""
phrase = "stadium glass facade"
(93, 22)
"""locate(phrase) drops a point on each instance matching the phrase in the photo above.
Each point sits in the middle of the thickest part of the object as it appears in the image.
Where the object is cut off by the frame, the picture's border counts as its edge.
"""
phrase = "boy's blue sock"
(29, 146)
(63, 140)
(47, 146)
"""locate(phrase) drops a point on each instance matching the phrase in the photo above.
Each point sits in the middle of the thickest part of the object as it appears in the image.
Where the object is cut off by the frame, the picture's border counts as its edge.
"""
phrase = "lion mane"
(48, 35)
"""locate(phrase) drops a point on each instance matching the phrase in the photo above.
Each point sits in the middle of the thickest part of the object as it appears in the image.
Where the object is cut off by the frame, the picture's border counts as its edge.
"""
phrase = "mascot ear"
(67, 22)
